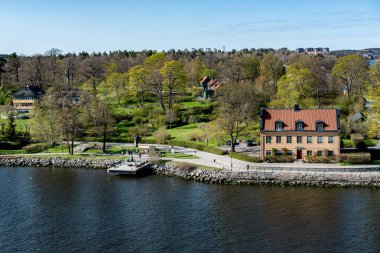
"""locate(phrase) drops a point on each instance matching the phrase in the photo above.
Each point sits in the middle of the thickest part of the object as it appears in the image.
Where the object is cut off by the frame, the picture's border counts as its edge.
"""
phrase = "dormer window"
(279, 125)
(299, 125)
(320, 125)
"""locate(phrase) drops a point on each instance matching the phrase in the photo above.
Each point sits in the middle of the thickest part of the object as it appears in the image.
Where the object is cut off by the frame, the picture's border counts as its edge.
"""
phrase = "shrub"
(244, 157)
(196, 137)
(355, 158)
(319, 159)
(279, 159)
(358, 141)
(35, 148)
(186, 167)
(161, 135)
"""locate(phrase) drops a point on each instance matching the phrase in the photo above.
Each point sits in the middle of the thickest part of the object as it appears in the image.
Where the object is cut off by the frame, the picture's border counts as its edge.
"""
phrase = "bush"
(355, 158)
(197, 146)
(196, 137)
(319, 159)
(185, 167)
(35, 148)
(161, 135)
(358, 141)
(279, 159)
(244, 157)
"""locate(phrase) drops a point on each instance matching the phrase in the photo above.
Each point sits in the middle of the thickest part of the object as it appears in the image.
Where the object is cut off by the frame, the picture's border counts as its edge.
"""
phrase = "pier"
(130, 168)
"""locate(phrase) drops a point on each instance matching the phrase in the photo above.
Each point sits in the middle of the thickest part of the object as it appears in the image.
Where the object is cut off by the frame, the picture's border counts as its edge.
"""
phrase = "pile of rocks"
(339, 179)
(59, 162)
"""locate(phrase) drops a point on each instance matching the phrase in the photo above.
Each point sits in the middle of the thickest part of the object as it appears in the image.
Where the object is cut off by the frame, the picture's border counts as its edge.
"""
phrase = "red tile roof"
(308, 116)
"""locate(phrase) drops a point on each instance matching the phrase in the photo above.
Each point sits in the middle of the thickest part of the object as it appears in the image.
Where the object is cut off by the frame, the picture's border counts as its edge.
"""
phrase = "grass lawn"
(183, 133)
(180, 155)
(12, 152)
(186, 105)
(195, 165)
(370, 142)
(57, 149)
(20, 124)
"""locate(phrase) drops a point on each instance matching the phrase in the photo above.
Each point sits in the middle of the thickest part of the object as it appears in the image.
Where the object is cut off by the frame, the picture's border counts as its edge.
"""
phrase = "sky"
(34, 26)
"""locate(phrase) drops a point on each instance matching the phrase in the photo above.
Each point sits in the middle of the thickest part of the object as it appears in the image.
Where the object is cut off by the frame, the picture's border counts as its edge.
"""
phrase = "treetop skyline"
(34, 26)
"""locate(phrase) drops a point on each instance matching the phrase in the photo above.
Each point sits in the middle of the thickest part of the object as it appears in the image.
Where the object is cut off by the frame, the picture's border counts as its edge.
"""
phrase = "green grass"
(57, 149)
(12, 152)
(186, 105)
(180, 155)
(183, 133)
(370, 142)
(202, 167)
(20, 124)
(347, 143)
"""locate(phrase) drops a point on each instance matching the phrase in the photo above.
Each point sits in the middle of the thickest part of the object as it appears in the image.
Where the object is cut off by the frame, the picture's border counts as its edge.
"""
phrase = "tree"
(295, 87)
(351, 70)
(117, 84)
(373, 119)
(235, 109)
(137, 81)
(45, 121)
(10, 128)
(251, 68)
(174, 79)
(154, 78)
(271, 69)
(2, 70)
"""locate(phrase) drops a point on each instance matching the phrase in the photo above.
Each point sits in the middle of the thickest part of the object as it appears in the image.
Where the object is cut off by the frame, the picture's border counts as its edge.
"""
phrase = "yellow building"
(300, 132)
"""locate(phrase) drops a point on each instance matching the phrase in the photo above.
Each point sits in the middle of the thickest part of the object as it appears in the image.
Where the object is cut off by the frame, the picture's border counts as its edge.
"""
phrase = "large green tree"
(295, 87)
(351, 71)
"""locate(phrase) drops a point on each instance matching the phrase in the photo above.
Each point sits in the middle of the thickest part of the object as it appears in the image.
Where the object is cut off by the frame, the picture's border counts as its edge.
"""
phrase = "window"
(268, 152)
(288, 152)
(278, 153)
(299, 139)
(319, 139)
(319, 125)
(319, 153)
(309, 139)
(278, 139)
(330, 153)
(299, 125)
(278, 125)
(309, 153)
(268, 139)
(331, 139)
(288, 139)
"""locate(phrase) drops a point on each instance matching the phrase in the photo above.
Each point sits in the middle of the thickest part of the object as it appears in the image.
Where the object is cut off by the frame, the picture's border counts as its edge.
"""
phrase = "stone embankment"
(59, 162)
(274, 177)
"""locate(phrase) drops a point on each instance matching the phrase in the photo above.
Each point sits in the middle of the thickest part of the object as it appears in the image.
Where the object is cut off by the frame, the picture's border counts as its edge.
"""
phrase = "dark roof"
(357, 116)
(30, 91)
(308, 116)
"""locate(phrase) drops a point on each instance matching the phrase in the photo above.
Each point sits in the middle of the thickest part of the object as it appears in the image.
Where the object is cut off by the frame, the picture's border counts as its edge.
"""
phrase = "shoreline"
(282, 176)
(333, 178)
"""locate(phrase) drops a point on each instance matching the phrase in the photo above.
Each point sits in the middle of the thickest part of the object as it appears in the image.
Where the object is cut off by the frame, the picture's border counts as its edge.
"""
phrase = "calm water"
(58, 210)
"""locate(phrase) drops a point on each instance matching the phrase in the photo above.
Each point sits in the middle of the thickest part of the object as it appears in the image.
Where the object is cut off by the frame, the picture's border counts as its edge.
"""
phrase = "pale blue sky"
(34, 26)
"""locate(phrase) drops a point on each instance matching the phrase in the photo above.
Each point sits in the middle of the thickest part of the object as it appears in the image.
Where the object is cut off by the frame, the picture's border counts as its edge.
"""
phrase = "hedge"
(244, 157)
(279, 159)
(355, 158)
(197, 146)
(35, 148)
(319, 159)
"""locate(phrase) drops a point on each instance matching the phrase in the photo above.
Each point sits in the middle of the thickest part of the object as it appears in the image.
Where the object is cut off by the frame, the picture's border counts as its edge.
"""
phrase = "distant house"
(24, 99)
(299, 132)
(72, 95)
(210, 85)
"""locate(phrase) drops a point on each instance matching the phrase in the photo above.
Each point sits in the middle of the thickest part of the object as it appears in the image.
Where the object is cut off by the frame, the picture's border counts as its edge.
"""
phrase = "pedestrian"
(214, 159)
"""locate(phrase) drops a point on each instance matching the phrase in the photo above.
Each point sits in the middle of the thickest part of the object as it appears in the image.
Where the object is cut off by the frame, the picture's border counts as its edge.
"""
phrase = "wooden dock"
(130, 168)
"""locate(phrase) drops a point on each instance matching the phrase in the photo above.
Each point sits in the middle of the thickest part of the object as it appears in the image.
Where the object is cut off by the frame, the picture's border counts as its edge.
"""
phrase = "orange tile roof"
(308, 116)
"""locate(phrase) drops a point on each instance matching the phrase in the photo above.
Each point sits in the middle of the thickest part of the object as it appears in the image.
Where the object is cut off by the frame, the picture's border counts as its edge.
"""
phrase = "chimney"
(296, 108)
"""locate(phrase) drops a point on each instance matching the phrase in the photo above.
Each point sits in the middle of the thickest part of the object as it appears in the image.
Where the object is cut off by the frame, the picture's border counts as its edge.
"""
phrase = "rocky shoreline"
(338, 179)
(59, 162)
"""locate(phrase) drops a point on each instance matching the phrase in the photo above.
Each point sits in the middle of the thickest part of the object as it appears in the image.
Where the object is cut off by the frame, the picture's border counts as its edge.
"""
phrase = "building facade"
(300, 132)
(24, 99)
